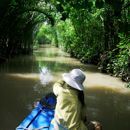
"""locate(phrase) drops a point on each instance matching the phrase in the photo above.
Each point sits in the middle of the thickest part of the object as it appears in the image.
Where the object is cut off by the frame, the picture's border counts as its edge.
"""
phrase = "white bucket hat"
(75, 79)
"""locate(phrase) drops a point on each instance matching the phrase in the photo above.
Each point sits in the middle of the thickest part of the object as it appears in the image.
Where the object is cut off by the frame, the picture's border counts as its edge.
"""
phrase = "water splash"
(45, 76)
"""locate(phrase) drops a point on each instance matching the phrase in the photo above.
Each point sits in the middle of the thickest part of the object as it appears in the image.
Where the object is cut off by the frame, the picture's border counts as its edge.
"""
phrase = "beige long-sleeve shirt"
(68, 112)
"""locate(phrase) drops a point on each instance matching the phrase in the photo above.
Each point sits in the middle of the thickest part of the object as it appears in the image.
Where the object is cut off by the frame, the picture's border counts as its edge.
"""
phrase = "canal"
(107, 99)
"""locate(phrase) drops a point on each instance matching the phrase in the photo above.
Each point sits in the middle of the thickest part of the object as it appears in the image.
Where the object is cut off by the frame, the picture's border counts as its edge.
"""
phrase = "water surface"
(108, 101)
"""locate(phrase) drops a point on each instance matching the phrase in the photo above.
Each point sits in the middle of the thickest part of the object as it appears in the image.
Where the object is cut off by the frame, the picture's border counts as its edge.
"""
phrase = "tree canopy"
(95, 31)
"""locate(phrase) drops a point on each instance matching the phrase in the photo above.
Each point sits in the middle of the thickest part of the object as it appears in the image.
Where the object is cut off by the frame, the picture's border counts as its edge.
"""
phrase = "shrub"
(120, 62)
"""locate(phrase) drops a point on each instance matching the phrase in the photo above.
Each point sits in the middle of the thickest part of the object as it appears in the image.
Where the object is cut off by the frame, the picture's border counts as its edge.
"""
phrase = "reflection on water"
(107, 99)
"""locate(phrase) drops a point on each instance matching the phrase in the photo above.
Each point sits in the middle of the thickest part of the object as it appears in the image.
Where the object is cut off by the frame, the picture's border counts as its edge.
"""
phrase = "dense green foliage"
(95, 31)
(120, 63)
(19, 19)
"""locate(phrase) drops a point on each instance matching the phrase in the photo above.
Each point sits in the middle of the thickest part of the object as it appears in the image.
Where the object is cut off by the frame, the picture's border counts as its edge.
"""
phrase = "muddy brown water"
(108, 101)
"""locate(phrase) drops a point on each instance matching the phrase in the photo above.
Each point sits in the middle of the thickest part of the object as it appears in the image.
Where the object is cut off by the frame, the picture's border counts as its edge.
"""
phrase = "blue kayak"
(41, 116)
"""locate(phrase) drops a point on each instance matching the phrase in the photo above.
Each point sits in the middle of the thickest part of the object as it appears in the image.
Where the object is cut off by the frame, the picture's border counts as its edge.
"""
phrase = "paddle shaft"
(34, 118)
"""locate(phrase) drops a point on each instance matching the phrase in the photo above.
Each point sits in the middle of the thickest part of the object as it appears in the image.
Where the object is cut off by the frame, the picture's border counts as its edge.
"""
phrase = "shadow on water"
(110, 107)
(20, 87)
(26, 64)
(17, 97)
(30, 64)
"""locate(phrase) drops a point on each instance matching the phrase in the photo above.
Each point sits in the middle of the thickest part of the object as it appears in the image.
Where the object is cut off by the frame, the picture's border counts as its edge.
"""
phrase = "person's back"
(70, 108)
(68, 114)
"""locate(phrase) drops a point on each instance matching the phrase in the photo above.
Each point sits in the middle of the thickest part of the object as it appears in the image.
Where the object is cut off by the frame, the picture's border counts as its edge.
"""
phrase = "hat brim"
(70, 81)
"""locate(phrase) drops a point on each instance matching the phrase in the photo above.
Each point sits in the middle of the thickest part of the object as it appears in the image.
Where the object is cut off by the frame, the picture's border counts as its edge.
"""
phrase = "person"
(70, 107)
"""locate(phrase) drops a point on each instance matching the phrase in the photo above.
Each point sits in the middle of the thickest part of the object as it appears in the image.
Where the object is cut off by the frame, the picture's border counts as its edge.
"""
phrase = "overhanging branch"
(39, 10)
